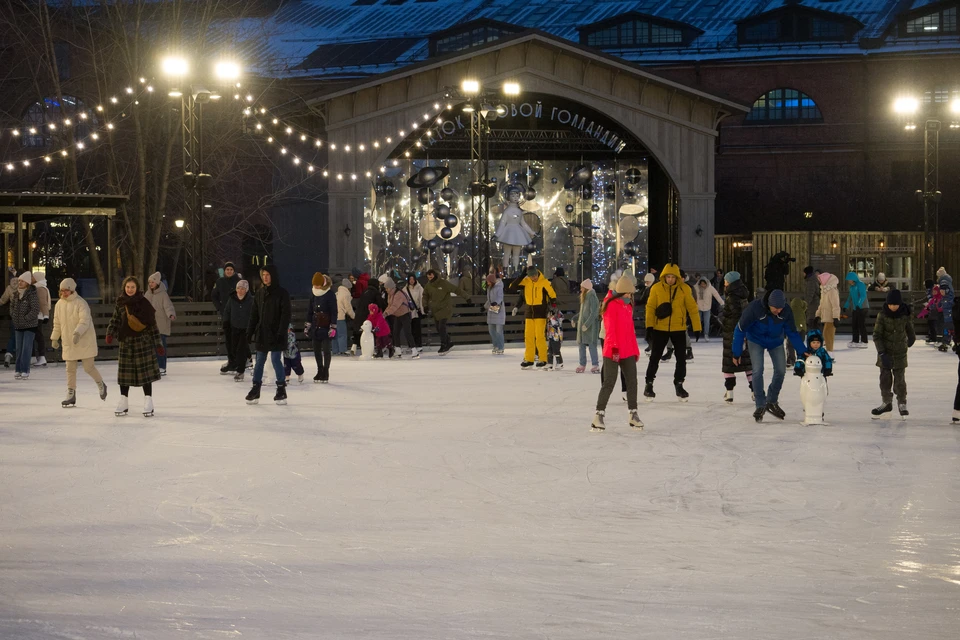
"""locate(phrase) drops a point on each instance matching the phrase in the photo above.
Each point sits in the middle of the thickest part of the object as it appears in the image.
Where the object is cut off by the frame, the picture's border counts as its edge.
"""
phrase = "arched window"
(784, 106)
(40, 115)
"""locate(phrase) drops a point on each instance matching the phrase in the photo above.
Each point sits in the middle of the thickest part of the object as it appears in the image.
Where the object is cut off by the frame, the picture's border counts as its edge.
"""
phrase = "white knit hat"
(155, 277)
(68, 284)
(27, 277)
(649, 278)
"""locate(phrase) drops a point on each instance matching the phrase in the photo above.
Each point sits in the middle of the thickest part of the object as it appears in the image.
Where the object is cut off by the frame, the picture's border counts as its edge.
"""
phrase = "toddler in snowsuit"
(554, 336)
(381, 331)
(893, 336)
(815, 346)
(291, 357)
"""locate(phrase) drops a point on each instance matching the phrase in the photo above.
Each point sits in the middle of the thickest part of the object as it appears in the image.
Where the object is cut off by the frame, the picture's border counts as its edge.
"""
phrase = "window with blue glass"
(635, 33)
(784, 106)
(933, 23)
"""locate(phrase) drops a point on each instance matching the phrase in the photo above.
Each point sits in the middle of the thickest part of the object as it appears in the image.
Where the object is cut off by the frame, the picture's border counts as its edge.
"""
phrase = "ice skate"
(122, 407)
(944, 347)
(594, 369)
(853, 345)
(18, 376)
(102, 387)
(689, 353)
(415, 355)
(597, 424)
(148, 407)
(902, 408)
(238, 377)
(254, 396)
(526, 364)
(317, 379)
(682, 394)
(42, 361)
(758, 414)
(667, 355)
(299, 378)
(635, 421)
(7, 360)
(71, 399)
(886, 407)
(624, 396)
(24, 376)
(648, 394)
(163, 372)
(541, 366)
(549, 367)
(774, 408)
(226, 370)
(559, 366)
(581, 369)
(281, 396)
(956, 417)
(728, 396)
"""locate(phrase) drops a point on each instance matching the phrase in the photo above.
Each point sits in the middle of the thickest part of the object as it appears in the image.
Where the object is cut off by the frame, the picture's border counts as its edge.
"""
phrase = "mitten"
(886, 361)
(76, 338)
(46, 320)
(109, 339)
(161, 351)
(332, 333)
(54, 344)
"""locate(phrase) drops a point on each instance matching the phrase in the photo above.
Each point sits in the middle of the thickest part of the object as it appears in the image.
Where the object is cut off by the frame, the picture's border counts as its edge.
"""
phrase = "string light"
(114, 100)
(67, 122)
(289, 130)
(15, 132)
(296, 161)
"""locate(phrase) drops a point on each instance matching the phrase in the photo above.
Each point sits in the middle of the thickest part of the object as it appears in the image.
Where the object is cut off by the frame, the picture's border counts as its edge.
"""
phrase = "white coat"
(71, 317)
(415, 293)
(344, 303)
(162, 306)
(706, 295)
(829, 309)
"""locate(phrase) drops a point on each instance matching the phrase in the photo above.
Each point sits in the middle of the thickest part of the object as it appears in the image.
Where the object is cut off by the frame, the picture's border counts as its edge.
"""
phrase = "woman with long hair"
(134, 326)
(587, 324)
(620, 351)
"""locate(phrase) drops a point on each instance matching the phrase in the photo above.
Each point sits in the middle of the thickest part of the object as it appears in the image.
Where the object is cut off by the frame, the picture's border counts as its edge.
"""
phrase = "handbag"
(133, 322)
(665, 309)
(410, 303)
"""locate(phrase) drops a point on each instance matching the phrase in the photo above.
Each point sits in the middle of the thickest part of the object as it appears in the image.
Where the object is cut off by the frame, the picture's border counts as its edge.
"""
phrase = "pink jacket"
(378, 322)
(621, 337)
(934, 304)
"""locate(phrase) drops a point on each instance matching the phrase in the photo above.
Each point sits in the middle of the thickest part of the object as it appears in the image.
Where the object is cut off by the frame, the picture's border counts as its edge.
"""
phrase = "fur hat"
(27, 277)
(649, 278)
(587, 284)
(894, 297)
(625, 285)
(941, 272)
(388, 283)
(731, 277)
(155, 277)
(243, 284)
(777, 299)
(68, 284)
(318, 280)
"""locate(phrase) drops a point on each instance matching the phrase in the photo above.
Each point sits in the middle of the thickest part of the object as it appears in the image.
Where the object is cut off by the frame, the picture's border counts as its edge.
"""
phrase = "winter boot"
(758, 414)
(635, 421)
(597, 424)
(71, 400)
(541, 365)
(774, 408)
(7, 360)
(886, 407)
(689, 353)
(682, 394)
(526, 364)
(103, 390)
(122, 407)
(281, 395)
(728, 396)
(648, 393)
(902, 408)
(148, 406)
(238, 377)
(667, 355)
(956, 417)
(254, 396)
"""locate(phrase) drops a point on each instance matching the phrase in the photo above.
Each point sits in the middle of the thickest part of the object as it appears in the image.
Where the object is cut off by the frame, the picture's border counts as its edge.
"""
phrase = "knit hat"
(388, 283)
(355, 272)
(731, 277)
(154, 278)
(317, 280)
(39, 276)
(229, 265)
(615, 276)
(346, 283)
(881, 276)
(491, 279)
(586, 284)
(27, 277)
(894, 297)
(68, 284)
(243, 284)
(649, 278)
(777, 299)
(625, 285)
(807, 270)
(559, 272)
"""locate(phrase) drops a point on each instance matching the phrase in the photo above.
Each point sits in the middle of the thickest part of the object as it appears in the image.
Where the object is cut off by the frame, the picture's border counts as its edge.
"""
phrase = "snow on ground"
(461, 497)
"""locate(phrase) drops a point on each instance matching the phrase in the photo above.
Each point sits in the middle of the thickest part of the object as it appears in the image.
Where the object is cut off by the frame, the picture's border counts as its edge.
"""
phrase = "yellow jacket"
(681, 301)
(536, 295)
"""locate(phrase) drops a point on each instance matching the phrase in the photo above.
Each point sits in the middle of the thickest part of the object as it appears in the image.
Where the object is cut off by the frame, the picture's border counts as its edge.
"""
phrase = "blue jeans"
(496, 336)
(340, 342)
(593, 354)
(24, 350)
(779, 359)
(277, 363)
(162, 359)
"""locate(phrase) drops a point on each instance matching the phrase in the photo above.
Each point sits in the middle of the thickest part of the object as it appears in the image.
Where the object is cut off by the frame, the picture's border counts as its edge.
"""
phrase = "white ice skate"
(122, 407)
(635, 421)
(597, 424)
(71, 399)
(366, 341)
(813, 391)
(728, 396)
(148, 407)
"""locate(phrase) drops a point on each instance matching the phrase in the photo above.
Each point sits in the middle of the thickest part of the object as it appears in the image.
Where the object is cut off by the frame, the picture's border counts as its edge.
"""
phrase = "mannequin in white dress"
(512, 232)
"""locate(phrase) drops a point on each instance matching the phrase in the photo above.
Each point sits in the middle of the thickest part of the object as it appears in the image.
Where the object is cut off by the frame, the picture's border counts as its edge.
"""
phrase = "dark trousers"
(859, 317)
(417, 330)
(147, 389)
(292, 364)
(658, 342)
(628, 369)
(39, 343)
(238, 349)
(553, 351)
(442, 330)
(956, 398)
(892, 381)
(321, 352)
(932, 332)
(403, 329)
(231, 347)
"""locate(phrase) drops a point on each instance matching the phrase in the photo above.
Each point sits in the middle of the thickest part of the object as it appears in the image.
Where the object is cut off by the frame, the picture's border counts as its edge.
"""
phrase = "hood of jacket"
(274, 276)
(831, 283)
(737, 289)
(670, 270)
(902, 310)
(160, 289)
(815, 334)
(853, 277)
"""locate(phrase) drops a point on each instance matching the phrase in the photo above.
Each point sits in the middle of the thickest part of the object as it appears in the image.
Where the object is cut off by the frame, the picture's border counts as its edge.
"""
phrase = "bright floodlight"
(226, 70)
(511, 88)
(471, 87)
(906, 105)
(175, 66)
(955, 106)
(179, 223)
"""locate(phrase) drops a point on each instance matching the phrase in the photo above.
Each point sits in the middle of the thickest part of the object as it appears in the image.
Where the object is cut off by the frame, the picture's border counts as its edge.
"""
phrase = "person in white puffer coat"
(344, 311)
(73, 324)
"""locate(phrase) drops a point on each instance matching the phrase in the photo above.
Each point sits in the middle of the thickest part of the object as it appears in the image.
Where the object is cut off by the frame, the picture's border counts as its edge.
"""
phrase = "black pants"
(859, 317)
(321, 352)
(403, 329)
(417, 330)
(628, 370)
(956, 398)
(39, 342)
(227, 338)
(147, 389)
(658, 342)
(553, 350)
(238, 349)
(442, 330)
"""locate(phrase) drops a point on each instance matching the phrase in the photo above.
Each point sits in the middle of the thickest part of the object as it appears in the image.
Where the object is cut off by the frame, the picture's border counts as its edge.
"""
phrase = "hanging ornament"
(630, 249)
(569, 208)
(451, 221)
(448, 247)
(442, 211)
(425, 195)
(595, 207)
(530, 247)
(446, 233)
(448, 194)
(633, 175)
(554, 181)
(427, 177)
(530, 194)
(433, 243)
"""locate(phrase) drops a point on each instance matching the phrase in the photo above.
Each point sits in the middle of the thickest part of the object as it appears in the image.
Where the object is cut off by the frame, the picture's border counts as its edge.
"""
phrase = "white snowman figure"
(813, 391)
(366, 341)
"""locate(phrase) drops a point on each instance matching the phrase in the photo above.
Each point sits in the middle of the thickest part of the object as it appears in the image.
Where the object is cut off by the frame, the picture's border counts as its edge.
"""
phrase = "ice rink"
(461, 497)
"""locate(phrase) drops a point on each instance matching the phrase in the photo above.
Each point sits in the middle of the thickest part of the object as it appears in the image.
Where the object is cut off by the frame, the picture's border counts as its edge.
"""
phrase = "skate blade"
(148, 414)
(597, 429)
(120, 414)
(281, 402)
(729, 401)
(253, 401)
(646, 399)
(679, 399)
(637, 427)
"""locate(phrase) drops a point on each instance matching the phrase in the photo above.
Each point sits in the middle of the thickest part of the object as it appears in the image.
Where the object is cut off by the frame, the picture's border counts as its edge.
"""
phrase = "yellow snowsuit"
(536, 296)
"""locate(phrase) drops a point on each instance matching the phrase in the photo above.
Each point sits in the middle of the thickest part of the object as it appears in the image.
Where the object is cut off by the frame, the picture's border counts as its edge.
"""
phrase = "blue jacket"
(822, 353)
(946, 288)
(761, 327)
(858, 293)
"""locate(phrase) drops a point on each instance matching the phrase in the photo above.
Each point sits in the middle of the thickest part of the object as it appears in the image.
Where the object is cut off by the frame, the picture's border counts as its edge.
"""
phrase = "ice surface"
(460, 497)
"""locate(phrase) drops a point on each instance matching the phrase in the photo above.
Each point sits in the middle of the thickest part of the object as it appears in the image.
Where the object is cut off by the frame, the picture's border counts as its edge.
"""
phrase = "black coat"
(775, 274)
(270, 316)
(321, 314)
(371, 295)
(236, 313)
(736, 298)
(222, 290)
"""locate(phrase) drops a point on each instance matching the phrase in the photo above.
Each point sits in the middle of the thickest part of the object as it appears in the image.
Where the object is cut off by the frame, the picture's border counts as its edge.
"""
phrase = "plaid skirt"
(137, 363)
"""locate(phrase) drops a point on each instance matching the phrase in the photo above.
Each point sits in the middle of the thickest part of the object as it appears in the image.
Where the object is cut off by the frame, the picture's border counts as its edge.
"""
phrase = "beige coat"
(829, 309)
(344, 303)
(71, 317)
(163, 307)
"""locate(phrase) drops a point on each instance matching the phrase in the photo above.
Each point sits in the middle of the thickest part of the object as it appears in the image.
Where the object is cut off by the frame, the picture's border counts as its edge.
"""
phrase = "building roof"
(300, 34)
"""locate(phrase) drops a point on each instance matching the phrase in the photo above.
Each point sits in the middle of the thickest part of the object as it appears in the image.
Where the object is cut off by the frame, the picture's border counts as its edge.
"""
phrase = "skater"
(815, 347)
(381, 331)
(291, 357)
(811, 295)
(535, 295)
(829, 310)
(945, 282)
(799, 306)
(776, 272)
(587, 324)
(560, 282)
(496, 314)
(437, 298)
(398, 309)
(73, 324)
(236, 316)
(156, 295)
(620, 352)
(737, 297)
(554, 336)
(134, 326)
(892, 336)
(361, 282)
(706, 295)
(344, 312)
(269, 320)
(763, 326)
(933, 312)
(222, 290)
(414, 291)
(320, 325)
(6, 298)
(640, 307)
(43, 295)
(25, 315)
(858, 303)
(370, 295)
(670, 305)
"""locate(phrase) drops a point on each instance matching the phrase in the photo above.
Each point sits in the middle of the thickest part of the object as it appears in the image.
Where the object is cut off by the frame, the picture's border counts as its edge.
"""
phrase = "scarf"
(139, 308)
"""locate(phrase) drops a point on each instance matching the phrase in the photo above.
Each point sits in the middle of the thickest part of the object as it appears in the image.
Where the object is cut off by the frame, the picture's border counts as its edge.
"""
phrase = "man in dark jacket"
(370, 295)
(236, 317)
(811, 295)
(438, 302)
(222, 290)
(269, 321)
(775, 274)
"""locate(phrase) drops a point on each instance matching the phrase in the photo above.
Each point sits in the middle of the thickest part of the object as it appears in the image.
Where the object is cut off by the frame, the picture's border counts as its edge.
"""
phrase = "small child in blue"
(554, 336)
(815, 346)
(291, 357)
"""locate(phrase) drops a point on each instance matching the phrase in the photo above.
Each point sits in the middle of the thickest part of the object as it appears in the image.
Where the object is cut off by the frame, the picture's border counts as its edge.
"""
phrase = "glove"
(76, 338)
(514, 312)
(843, 316)
(54, 344)
(332, 333)
(172, 318)
(161, 351)
(306, 329)
(886, 361)
(46, 320)
(109, 339)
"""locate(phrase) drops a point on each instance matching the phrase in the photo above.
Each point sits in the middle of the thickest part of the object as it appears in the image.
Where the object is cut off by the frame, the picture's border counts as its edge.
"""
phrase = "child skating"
(816, 347)
(893, 335)
(554, 337)
(381, 331)
(291, 357)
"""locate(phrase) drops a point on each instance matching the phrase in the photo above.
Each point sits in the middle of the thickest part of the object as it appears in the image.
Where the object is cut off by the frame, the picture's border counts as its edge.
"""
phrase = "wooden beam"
(59, 211)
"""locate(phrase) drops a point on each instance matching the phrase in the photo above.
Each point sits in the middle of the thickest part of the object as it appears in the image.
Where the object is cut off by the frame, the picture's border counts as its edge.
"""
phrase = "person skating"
(496, 312)
(815, 347)
(554, 336)
(536, 292)
(560, 282)
(587, 324)
(43, 296)
(776, 272)
(828, 313)
(893, 335)
(640, 307)
(737, 297)
(236, 315)
(706, 295)
(370, 295)
(414, 291)
(438, 301)
(361, 282)
(222, 290)
(134, 326)
(399, 309)
(383, 340)
(670, 305)
(933, 312)
(156, 295)
(292, 362)
(6, 298)
(799, 307)
(269, 320)
(945, 282)
(344, 313)
(858, 303)
(25, 315)
(811, 295)
(620, 352)
(320, 324)
(956, 397)
(73, 324)
(763, 327)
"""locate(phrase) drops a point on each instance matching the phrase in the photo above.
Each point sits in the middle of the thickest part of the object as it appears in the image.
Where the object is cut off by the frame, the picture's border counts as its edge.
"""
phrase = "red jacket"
(378, 322)
(621, 337)
(363, 281)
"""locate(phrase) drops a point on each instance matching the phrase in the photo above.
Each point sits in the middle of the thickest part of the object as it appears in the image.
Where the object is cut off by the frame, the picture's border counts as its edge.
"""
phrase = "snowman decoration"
(813, 391)
(512, 231)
